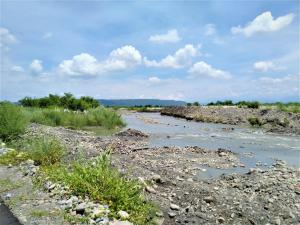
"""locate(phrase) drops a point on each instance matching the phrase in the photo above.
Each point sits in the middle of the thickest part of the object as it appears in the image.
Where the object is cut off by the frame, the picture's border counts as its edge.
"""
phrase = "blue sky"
(192, 50)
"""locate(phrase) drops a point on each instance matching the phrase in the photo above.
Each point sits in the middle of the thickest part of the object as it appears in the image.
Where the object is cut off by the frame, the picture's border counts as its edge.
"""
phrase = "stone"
(221, 220)
(123, 214)
(156, 178)
(7, 196)
(171, 214)
(150, 189)
(118, 222)
(74, 199)
(208, 199)
(174, 206)
(80, 208)
(159, 214)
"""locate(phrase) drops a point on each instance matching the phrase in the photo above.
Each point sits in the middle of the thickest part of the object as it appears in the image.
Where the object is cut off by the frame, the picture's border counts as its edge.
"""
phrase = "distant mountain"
(140, 102)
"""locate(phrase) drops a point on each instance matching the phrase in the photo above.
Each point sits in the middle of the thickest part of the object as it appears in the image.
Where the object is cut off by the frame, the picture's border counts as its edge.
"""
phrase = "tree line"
(67, 101)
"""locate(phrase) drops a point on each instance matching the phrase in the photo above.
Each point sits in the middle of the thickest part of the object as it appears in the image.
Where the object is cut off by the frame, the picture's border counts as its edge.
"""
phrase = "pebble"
(150, 189)
(123, 214)
(174, 206)
(172, 214)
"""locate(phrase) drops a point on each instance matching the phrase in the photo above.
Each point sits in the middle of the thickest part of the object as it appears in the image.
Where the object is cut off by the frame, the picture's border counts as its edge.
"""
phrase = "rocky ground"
(170, 176)
(271, 120)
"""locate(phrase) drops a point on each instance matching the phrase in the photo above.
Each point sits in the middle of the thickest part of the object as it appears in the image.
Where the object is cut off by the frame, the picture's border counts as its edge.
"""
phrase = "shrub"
(254, 121)
(103, 183)
(251, 105)
(43, 151)
(12, 121)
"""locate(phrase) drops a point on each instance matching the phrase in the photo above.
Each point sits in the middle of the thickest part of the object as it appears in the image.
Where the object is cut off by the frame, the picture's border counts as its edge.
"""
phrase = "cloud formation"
(6, 39)
(265, 66)
(85, 64)
(210, 29)
(264, 23)
(36, 66)
(204, 69)
(154, 80)
(181, 58)
(17, 69)
(170, 37)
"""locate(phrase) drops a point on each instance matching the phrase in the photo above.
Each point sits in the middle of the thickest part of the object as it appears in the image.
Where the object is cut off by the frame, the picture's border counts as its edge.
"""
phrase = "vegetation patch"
(7, 185)
(254, 121)
(101, 116)
(67, 101)
(13, 157)
(43, 151)
(103, 183)
(12, 121)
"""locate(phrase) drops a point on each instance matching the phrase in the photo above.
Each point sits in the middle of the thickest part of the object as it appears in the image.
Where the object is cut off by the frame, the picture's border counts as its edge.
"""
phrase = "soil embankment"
(270, 120)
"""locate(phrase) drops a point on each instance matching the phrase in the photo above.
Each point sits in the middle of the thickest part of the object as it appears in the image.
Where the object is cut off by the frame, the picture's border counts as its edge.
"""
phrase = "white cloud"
(36, 66)
(84, 64)
(6, 39)
(204, 69)
(48, 35)
(17, 69)
(264, 23)
(154, 80)
(171, 36)
(181, 58)
(123, 58)
(265, 66)
(271, 80)
(210, 29)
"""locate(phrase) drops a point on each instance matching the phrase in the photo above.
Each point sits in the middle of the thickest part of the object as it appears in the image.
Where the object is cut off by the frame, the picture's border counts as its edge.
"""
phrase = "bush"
(43, 151)
(254, 121)
(251, 105)
(12, 121)
(103, 183)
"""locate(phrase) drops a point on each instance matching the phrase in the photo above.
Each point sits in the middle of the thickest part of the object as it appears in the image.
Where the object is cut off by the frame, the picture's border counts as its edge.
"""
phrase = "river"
(254, 147)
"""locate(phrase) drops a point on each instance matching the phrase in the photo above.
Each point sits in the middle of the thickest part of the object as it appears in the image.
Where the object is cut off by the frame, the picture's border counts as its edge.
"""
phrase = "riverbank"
(170, 177)
(271, 120)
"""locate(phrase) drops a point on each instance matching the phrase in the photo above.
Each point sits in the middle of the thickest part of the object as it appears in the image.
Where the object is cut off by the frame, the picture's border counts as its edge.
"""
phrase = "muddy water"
(255, 147)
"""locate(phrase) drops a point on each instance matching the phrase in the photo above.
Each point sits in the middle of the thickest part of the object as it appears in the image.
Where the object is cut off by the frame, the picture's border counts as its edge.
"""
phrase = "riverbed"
(255, 147)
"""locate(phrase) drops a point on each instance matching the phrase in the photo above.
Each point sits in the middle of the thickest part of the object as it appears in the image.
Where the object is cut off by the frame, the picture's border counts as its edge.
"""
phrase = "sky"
(182, 50)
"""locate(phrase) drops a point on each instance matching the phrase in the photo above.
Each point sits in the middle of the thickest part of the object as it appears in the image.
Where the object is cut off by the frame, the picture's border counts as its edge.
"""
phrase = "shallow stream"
(255, 147)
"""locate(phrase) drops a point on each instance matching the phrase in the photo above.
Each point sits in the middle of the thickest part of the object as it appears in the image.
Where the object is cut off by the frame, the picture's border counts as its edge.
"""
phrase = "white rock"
(123, 214)
(174, 207)
(150, 189)
(118, 222)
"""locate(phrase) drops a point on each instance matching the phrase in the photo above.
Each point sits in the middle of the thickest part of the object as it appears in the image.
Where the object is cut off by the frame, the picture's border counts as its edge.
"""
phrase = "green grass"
(13, 157)
(39, 213)
(43, 151)
(103, 183)
(293, 107)
(12, 121)
(99, 117)
(7, 185)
